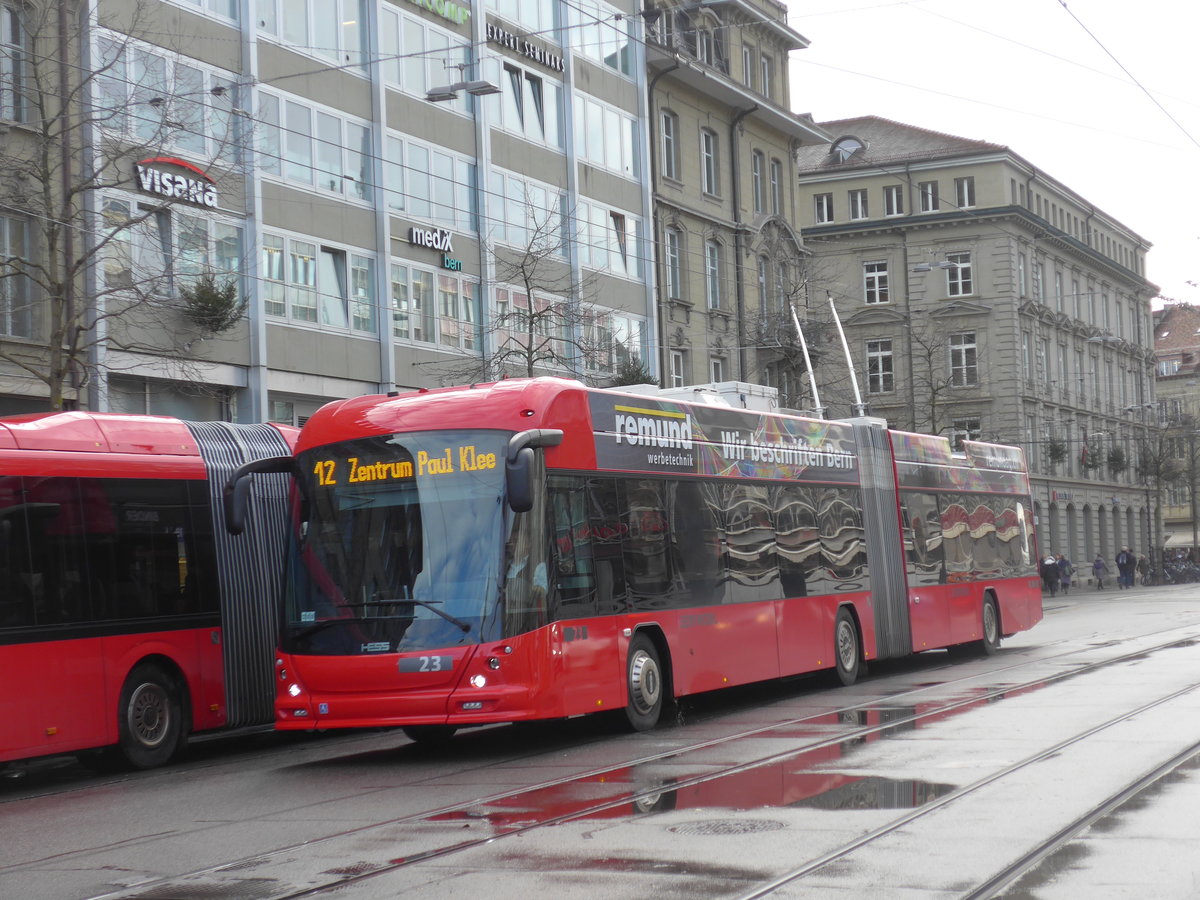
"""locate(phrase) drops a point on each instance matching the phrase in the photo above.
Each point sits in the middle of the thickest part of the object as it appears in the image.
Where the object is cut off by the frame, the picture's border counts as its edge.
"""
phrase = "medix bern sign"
(201, 191)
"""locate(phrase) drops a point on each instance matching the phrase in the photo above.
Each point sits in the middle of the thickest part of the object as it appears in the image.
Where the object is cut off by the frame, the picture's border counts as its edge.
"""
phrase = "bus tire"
(846, 650)
(645, 684)
(149, 718)
(990, 625)
(429, 735)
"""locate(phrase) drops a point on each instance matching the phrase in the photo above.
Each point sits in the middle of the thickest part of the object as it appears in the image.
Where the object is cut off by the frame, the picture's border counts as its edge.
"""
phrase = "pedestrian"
(1143, 569)
(1099, 570)
(1065, 571)
(1125, 563)
(1050, 574)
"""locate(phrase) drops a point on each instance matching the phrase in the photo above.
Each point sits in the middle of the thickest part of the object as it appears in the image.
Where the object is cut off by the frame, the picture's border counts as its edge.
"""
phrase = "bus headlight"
(294, 689)
(478, 681)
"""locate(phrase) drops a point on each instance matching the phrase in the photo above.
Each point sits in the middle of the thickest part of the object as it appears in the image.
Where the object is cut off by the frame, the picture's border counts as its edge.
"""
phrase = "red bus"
(537, 549)
(129, 617)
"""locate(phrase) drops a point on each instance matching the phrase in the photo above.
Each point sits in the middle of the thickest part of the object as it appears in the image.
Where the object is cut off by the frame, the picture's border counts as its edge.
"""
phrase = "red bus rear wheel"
(845, 647)
(644, 676)
(150, 717)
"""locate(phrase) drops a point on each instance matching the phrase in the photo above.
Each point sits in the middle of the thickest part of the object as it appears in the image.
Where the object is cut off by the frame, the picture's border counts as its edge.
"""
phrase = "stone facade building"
(730, 255)
(982, 297)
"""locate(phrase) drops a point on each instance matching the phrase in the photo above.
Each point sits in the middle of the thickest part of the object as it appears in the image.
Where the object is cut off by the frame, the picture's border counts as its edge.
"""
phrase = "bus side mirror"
(519, 475)
(518, 464)
(237, 488)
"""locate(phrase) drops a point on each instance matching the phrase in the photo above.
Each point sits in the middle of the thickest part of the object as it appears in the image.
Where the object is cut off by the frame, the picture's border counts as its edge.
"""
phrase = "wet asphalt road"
(924, 780)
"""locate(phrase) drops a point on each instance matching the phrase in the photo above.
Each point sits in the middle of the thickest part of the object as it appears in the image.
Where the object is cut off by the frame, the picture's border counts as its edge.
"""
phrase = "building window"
(415, 56)
(175, 103)
(312, 147)
(763, 265)
(609, 240)
(524, 211)
(154, 248)
(1039, 282)
(748, 67)
(1022, 276)
(712, 274)
(325, 28)
(881, 377)
(964, 430)
(776, 187)
(757, 178)
(672, 239)
(858, 204)
(12, 64)
(964, 192)
(531, 106)
(716, 370)
(16, 288)
(458, 313)
(959, 282)
(678, 369)
(595, 32)
(767, 79)
(823, 208)
(607, 137)
(875, 282)
(1026, 356)
(704, 46)
(709, 173)
(670, 145)
(964, 365)
(929, 196)
(432, 185)
(311, 283)
(893, 200)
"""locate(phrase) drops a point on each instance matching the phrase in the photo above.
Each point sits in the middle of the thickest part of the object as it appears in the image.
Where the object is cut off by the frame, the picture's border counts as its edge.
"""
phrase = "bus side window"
(606, 526)
(572, 549)
(697, 537)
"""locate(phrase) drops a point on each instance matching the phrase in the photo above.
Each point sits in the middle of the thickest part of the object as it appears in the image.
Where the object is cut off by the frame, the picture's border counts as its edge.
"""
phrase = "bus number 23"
(426, 664)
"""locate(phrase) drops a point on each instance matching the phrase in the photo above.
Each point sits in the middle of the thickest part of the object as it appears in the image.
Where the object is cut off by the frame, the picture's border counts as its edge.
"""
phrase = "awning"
(1178, 539)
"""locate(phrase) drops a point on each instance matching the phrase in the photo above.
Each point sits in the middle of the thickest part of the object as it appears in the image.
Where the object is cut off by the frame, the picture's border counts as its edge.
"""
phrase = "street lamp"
(477, 88)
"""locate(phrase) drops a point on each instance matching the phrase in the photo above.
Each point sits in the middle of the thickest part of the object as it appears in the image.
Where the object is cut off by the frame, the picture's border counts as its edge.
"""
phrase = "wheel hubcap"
(644, 683)
(149, 715)
(989, 622)
(846, 648)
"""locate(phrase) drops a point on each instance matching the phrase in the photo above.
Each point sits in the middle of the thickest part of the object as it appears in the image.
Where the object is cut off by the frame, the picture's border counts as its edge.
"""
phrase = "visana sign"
(201, 191)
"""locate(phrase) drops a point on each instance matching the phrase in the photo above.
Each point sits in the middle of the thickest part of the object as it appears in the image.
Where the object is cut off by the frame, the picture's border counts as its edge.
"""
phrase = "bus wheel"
(991, 626)
(150, 724)
(430, 735)
(845, 647)
(645, 685)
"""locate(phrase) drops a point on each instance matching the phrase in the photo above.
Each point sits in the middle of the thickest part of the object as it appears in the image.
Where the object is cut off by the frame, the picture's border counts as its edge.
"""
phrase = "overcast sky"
(1102, 95)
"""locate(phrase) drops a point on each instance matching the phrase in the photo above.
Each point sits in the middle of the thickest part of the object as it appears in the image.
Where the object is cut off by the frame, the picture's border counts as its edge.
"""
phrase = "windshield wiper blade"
(428, 604)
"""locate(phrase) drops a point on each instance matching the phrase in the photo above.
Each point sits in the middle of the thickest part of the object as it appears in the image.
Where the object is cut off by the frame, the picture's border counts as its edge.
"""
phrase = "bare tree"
(789, 292)
(1158, 467)
(100, 267)
(544, 320)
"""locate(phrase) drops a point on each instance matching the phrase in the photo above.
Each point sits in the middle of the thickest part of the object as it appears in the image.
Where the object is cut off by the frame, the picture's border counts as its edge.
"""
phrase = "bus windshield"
(399, 544)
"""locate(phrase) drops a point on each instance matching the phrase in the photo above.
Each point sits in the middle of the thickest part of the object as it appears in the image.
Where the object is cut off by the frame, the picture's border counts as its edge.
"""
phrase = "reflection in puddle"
(877, 793)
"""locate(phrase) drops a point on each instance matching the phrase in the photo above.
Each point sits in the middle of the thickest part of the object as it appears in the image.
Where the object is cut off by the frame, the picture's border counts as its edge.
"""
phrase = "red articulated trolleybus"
(129, 617)
(536, 549)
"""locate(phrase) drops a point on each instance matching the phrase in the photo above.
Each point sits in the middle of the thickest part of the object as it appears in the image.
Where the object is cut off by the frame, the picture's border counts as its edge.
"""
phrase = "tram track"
(270, 871)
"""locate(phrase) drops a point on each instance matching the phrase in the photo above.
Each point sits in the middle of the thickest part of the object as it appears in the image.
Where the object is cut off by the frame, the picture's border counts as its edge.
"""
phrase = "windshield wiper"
(430, 605)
